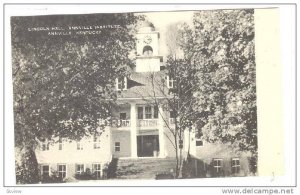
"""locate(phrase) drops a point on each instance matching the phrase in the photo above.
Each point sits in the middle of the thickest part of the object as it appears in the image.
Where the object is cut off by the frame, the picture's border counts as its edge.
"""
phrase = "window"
(199, 133)
(148, 113)
(217, 165)
(45, 171)
(97, 170)
(123, 115)
(62, 171)
(148, 53)
(199, 143)
(79, 146)
(117, 146)
(147, 50)
(79, 169)
(172, 114)
(60, 145)
(253, 164)
(96, 142)
(140, 113)
(235, 165)
(155, 112)
(121, 83)
(45, 146)
(198, 136)
(170, 82)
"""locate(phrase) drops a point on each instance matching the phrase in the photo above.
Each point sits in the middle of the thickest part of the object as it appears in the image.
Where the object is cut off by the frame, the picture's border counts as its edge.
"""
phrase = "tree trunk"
(177, 163)
(180, 163)
(27, 171)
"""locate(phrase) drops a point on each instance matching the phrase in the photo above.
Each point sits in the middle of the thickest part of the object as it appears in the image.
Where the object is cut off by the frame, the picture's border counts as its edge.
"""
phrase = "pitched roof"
(144, 85)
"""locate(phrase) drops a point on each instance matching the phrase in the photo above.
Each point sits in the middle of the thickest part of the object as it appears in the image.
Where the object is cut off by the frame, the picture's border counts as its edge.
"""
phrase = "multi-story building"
(138, 127)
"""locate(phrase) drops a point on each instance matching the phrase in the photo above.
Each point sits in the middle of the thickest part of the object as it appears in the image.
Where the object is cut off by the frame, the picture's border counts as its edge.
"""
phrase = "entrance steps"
(143, 168)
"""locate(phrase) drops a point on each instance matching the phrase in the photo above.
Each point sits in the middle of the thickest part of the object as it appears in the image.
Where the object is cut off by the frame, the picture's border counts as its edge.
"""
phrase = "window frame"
(98, 172)
(118, 146)
(199, 140)
(235, 167)
(124, 114)
(140, 112)
(97, 142)
(218, 167)
(148, 112)
(79, 145)
(63, 171)
(121, 84)
(147, 51)
(198, 137)
(80, 171)
(155, 112)
(45, 146)
(171, 82)
(42, 170)
(60, 145)
(172, 114)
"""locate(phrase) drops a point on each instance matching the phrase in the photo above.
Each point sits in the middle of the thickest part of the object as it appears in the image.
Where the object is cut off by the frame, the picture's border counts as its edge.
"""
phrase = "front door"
(147, 145)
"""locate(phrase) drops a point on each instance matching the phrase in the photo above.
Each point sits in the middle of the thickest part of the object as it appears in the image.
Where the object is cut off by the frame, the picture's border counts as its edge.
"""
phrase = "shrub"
(87, 175)
(164, 175)
(53, 178)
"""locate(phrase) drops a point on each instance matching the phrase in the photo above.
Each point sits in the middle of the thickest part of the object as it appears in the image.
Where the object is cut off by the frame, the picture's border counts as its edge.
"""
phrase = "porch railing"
(147, 122)
(125, 123)
(120, 123)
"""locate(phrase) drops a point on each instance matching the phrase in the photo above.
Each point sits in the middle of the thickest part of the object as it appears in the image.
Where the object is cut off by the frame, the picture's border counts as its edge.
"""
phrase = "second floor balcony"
(140, 123)
(120, 123)
(147, 122)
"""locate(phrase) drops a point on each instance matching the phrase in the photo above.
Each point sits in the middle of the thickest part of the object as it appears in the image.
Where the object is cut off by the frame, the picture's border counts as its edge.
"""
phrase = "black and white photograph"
(133, 96)
(102, 97)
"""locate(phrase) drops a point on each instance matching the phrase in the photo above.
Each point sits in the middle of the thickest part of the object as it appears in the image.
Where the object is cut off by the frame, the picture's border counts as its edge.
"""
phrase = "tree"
(173, 40)
(173, 89)
(221, 45)
(64, 84)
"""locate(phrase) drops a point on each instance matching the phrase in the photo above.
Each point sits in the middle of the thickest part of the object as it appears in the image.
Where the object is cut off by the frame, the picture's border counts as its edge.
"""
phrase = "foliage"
(26, 171)
(63, 84)
(87, 175)
(164, 176)
(221, 45)
(177, 100)
(53, 178)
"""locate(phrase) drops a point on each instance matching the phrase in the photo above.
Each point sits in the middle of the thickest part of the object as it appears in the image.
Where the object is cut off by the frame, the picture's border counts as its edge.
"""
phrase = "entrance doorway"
(147, 145)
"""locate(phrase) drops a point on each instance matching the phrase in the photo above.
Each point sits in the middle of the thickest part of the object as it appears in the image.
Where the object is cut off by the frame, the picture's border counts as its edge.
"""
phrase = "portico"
(145, 129)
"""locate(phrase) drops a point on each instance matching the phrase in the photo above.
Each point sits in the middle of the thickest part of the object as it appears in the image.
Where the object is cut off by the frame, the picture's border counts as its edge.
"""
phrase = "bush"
(54, 178)
(188, 169)
(87, 175)
(164, 175)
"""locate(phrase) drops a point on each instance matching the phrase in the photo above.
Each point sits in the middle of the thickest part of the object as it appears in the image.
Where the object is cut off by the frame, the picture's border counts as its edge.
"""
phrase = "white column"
(108, 129)
(133, 129)
(161, 132)
(193, 142)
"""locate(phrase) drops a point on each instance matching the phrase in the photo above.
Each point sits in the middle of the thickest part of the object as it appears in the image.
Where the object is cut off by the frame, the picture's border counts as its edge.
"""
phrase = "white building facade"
(138, 127)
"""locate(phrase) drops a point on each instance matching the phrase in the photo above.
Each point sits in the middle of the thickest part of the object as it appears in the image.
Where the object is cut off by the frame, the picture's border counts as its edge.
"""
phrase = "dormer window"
(170, 82)
(121, 83)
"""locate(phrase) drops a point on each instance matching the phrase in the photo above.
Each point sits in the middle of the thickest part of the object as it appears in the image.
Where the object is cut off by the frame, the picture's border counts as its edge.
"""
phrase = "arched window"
(147, 51)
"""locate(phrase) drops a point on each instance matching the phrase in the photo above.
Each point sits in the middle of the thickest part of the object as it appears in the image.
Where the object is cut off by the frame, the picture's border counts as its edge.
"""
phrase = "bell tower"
(147, 59)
